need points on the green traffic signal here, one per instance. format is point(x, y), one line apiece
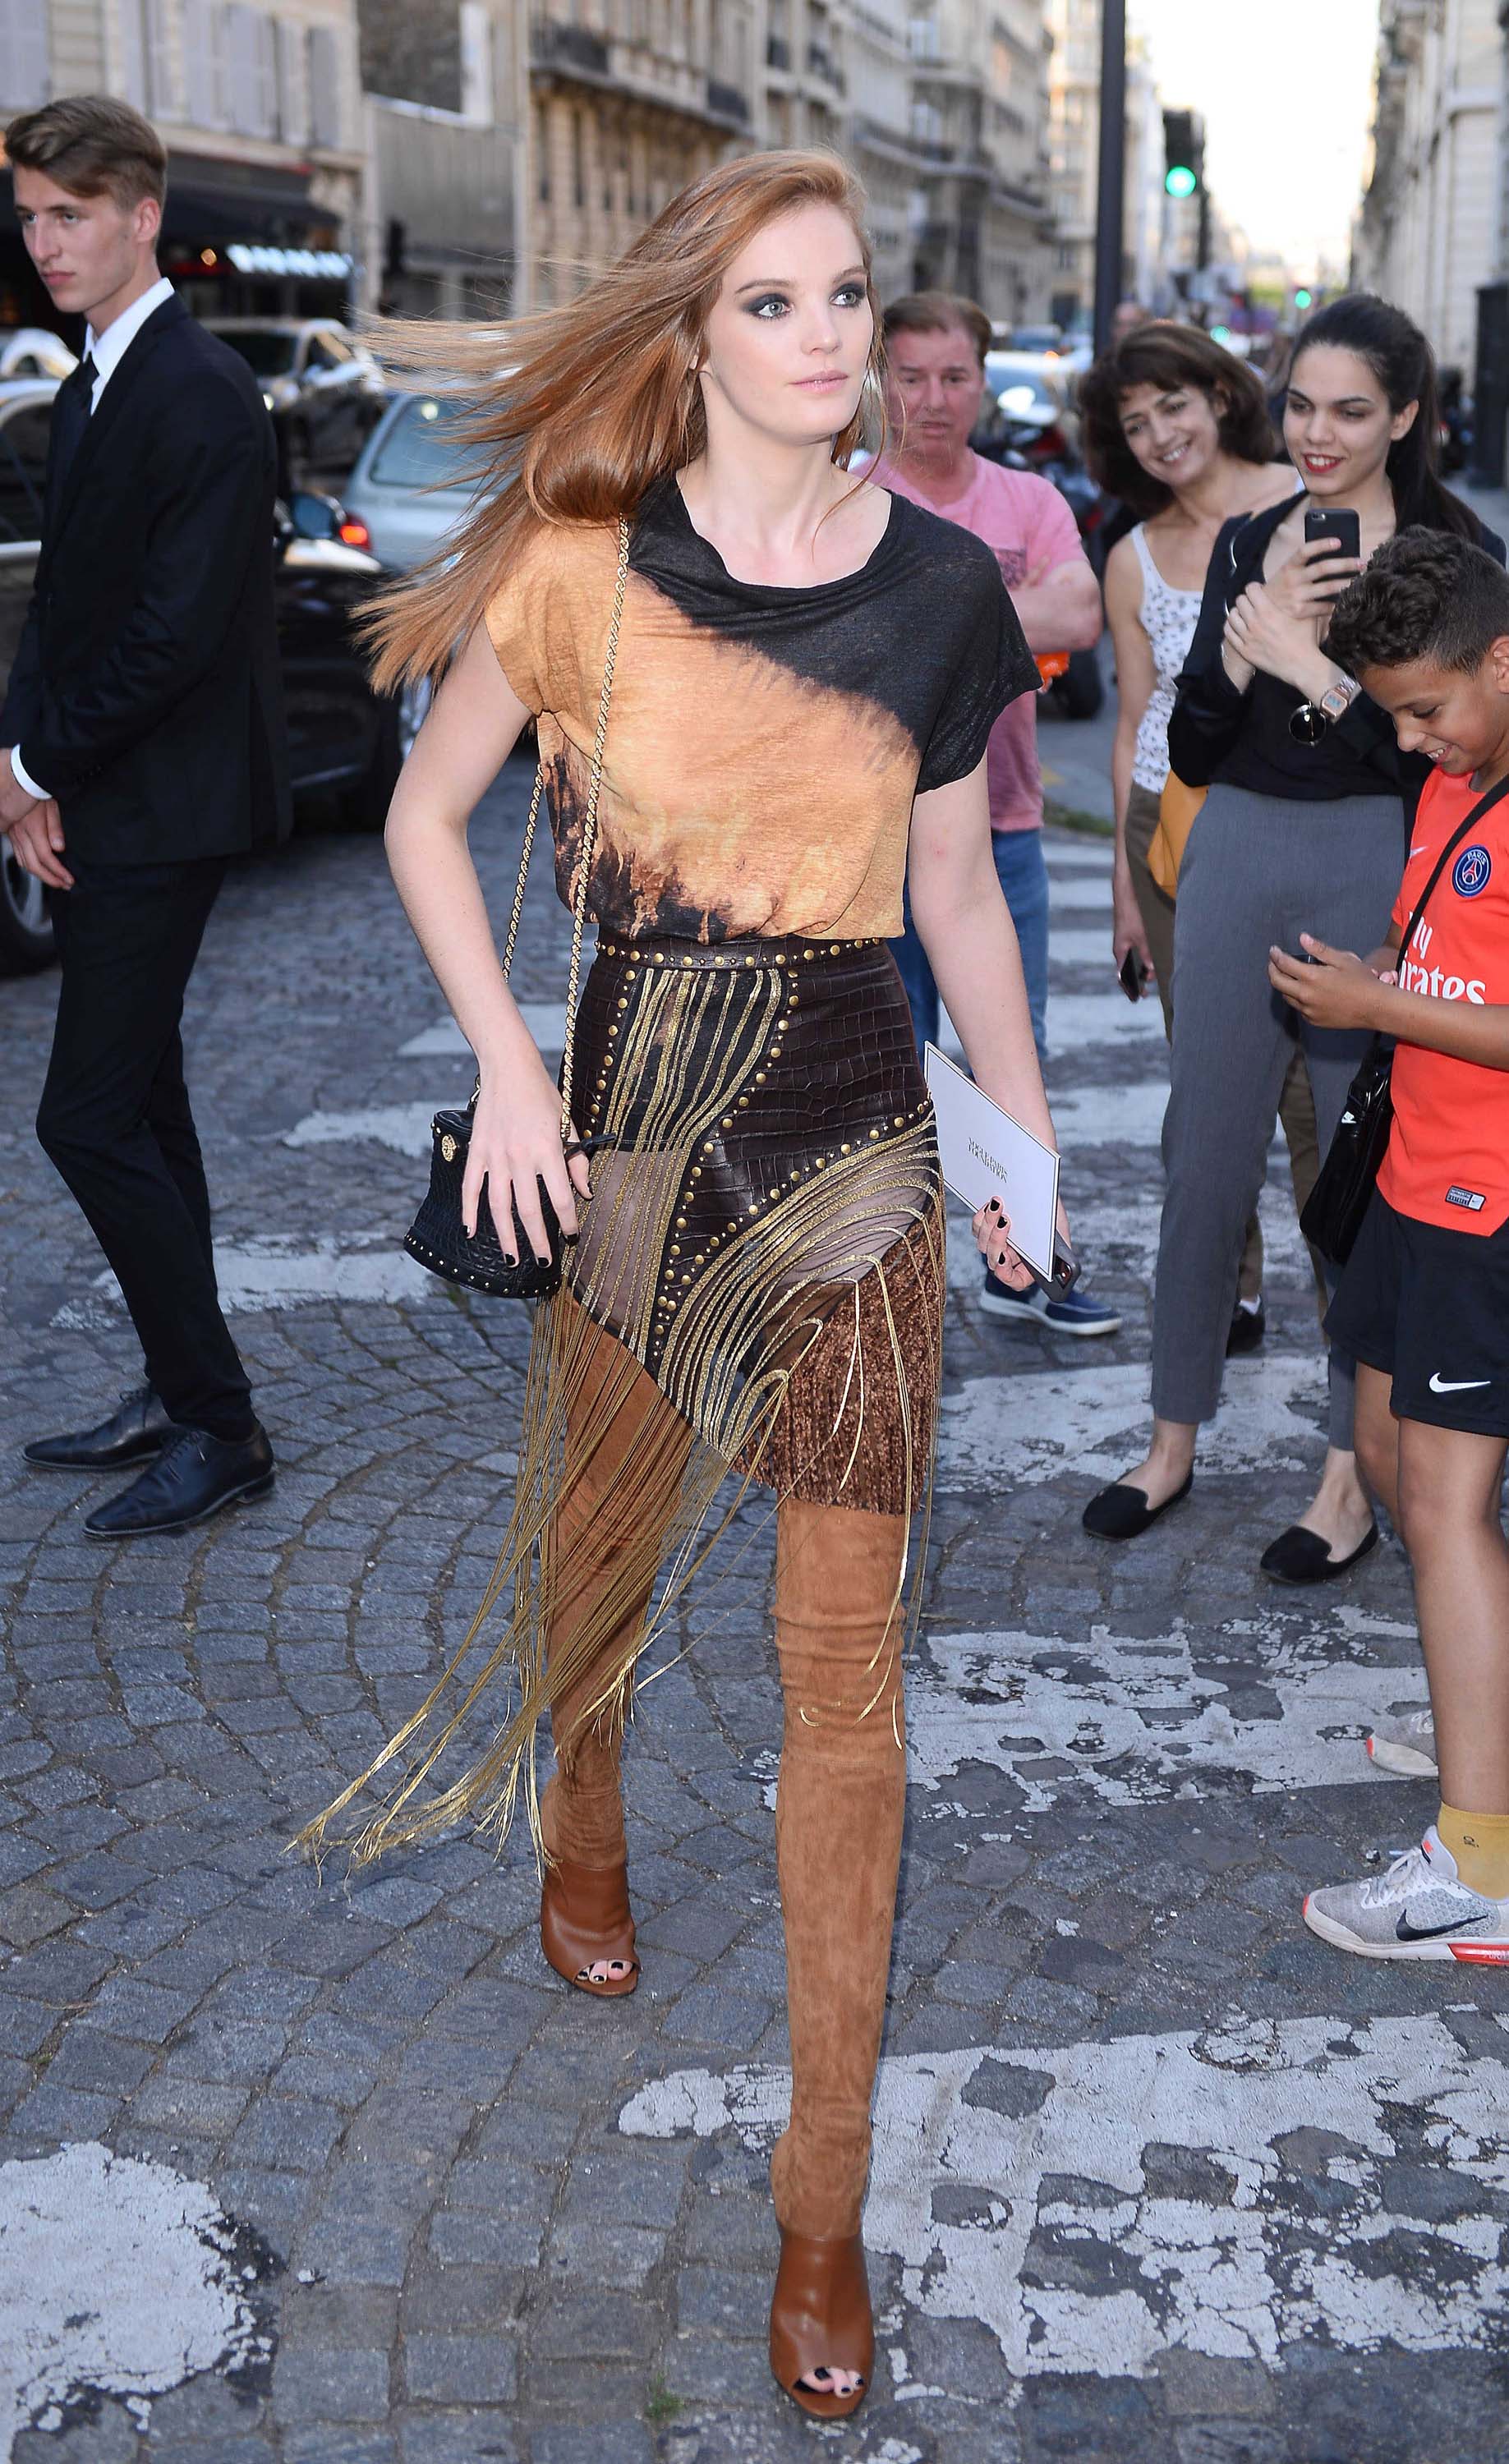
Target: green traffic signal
point(1305, 298)
point(1180, 181)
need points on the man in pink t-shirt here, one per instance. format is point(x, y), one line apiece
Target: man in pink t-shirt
point(935, 346)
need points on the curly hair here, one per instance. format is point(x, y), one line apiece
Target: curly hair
point(1427, 594)
point(1176, 359)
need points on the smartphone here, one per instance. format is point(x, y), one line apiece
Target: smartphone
point(1066, 1269)
point(1132, 976)
point(1336, 522)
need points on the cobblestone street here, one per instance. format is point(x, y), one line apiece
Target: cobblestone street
point(1157, 2174)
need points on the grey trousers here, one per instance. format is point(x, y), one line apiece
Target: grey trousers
point(1296, 1105)
point(1256, 870)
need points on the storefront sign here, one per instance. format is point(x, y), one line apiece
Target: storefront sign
point(320, 264)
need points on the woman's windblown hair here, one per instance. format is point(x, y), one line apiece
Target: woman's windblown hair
point(574, 412)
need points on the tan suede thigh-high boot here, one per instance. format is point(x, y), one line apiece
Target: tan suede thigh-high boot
point(585, 1913)
point(840, 1807)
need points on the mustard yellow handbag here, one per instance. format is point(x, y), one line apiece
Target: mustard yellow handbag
point(1177, 808)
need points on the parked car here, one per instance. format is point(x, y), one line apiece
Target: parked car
point(405, 485)
point(322, 384)
point(32, 351)
point(347, 744)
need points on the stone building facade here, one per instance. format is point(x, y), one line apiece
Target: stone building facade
point(261, 111)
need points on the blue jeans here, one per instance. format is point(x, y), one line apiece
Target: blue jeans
point(1024, 877)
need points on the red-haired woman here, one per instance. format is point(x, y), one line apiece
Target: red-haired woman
point(806, 675)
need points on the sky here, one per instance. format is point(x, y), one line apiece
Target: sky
point(1286, 90)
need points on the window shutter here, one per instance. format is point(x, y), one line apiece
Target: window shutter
point(324, 87)
point(266, 77)
point(160, 82)
point(293, 125)
point(23, 48)
point(202, 62)
point(133, 53)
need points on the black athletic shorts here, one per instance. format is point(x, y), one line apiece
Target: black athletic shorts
point(1430, 1308)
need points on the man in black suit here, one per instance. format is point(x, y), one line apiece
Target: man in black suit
point(141, 745)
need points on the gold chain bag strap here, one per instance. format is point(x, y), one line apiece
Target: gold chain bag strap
point(437, 1237)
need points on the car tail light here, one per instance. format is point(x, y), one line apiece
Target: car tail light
point(355, 534)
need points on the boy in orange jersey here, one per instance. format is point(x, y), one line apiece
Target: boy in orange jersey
point(1423, 1305)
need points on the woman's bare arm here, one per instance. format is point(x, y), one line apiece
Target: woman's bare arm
point(965, 927)
point(1136, 674)
point(473, 726)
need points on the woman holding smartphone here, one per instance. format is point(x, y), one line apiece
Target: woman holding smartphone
point(1305, 819)
point(1180, 431)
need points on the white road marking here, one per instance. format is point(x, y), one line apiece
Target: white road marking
point(1075, 855)
point(1135, 1722)
point(1092, 1422)
point(1227, 2193)
point(1086, 945)
point(116, 2275)
point(545, 1019)
point(403, 1126)
point(283, 1271)
point(1078, 1018)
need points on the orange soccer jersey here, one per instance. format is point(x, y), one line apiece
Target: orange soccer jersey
point(1448, 1157)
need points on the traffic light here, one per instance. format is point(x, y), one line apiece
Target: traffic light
point(1184, 151)
point(1303, 299)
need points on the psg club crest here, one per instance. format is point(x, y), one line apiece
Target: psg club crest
point(1471, 871)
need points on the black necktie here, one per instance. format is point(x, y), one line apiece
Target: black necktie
point(71, 417)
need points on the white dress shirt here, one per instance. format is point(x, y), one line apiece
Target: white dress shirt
point(108, 350)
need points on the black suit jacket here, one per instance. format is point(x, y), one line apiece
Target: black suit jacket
point(145, 693)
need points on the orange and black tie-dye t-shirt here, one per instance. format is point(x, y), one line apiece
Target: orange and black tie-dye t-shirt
point(763, 745)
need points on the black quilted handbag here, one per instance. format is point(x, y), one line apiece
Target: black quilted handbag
point(438, 1235)
point(1333, 1213)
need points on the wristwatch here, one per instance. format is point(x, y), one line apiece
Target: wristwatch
point(1338, 699)
point(1309, 720)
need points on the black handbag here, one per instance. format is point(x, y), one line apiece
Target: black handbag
point(1332, 1216)
point(437, 1237)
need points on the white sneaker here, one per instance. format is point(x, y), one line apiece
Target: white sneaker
point(1407, 1743)
point(1418, 1909)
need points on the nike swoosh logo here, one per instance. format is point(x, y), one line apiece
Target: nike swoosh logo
point(1440, 1385)
point(1408, 1932)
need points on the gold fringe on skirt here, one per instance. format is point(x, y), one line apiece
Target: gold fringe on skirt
point(764, 1242)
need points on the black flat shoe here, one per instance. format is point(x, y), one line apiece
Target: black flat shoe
point(1121, 1512)
point(139, 1428)
point(1247, 1330)
point(192, 1477)
point(1302, 1556)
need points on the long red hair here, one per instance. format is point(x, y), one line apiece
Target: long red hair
point(580, 408)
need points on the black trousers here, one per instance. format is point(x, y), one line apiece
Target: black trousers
point(116, 1121)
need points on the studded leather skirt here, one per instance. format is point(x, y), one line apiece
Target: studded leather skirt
point(765, 1231)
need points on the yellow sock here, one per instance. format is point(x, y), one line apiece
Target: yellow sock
point(1479, 1842)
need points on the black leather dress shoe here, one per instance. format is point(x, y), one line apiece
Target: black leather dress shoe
point(139, 1428)
point(1247, 1328)
point(1302, 1556)
point(1121, 1512)
point(192, 1477)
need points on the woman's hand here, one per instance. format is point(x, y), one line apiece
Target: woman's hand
point(1258, 631)
point(1128, 930)
point(1308, 583)
point(1339, 989)
point(516, 1144)
point(991, 1227)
